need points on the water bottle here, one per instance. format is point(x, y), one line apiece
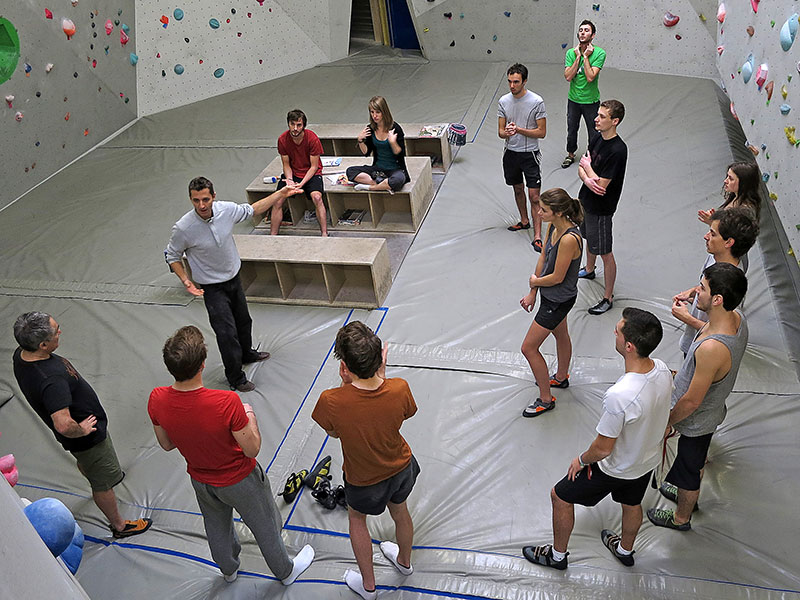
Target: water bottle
point(272, 179)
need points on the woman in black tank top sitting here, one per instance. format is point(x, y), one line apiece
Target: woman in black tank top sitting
point(556, 277)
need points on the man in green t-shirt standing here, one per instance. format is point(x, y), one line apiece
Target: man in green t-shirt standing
point(582, 68)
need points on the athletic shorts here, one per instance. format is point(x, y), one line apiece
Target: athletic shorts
point(691, 458)
point(596, 230)
point(550, 313)
point(517, 164)
point(312, 185)
point(99, 464)
point(588, 492)
point(372, 499)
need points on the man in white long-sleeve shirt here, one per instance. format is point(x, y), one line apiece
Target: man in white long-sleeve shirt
point(205, 236)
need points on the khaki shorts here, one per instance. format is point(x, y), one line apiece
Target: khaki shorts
point(100, 466)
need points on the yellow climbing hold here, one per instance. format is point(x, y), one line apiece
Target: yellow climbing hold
point(702, 17)
point(789, 131)
point(773, 196)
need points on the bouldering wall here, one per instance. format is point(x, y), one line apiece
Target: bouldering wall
point(69, 86)
point(203, 48)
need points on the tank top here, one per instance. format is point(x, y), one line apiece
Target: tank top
point(568, 288)
point(712, 411)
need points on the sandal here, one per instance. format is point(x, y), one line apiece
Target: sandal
point(519, 226)
point(537, 245)
point(567, 161)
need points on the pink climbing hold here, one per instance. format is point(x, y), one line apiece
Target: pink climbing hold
point(123, 37)
point(9, 100)
point(94, 63)
point(754, 4)
point(19, 116)
point(48, 14)
point(109, 27)
point(66, 117)
point(261, 2)
point(720, 50)
point(68, 27)
point(721, 13)
point(761, 75)
point(670, 20)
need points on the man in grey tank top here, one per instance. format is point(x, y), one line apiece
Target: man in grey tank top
point(702, 385)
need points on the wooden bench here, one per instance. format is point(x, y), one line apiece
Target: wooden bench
point(345, 272)
point(399, 212)
point(341, 140)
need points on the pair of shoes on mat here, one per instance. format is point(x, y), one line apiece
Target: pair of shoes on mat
point(543, 555)
point(555, 383)
point(568, 160)
point(584, 274)
point(603, 306)
point(132, 528)
point(612, 541)
point(670, 492)
point(537, 245)
point(294, 483)
point(539, 407)
point(320, 471)
point(661, 517)
point(519, 226)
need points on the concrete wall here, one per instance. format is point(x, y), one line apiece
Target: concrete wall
point(761, 120)
point(91, 80)
point(256, 40)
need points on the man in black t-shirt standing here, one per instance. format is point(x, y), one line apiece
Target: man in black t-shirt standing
point(602, 170)
point(70, 408)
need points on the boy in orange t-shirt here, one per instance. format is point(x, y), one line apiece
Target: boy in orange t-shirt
point(366, 414)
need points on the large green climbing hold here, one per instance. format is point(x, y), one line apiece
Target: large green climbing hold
point(9, 49)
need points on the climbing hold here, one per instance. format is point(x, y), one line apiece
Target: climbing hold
point(670, 20)
point(200, 61)
point(68, 27)
point(754, 4)
point(507, 13)
point(219, 73)
point(178, 69)
point(28, 68)
point(66, 117)
point(763, 146)
point(765, 177)
point(750, 30)
point(164, 20)
point(494, 38)
point(48, 67)
point(720, 50)
point(461, 16)
point(564, 45)
point(109, 27)
point(94, 34)
point(105, 49)
point(426, 30)
point(213, 23)
point(772, 23)
point(472, 37)
point(596, 7)
point(186, 40)
point(789, 131)
point(48, 14)
point(9, 100)
point(85, 132)
point(249, 15)
point(74, 3)
point(75, 74)
point(116, 21)
point(94, 63)
point(163, 73)
point(784, 91)
point(227, 20)
point(747, 68)
point(37, 144)
point(238, 34)
point(38, 94)
point(733, 112)
point(788, 32)
point(119, 12)
point(125, 28)
point(177, 14)
point(123, 37)
point(448, 15)
point(785, 108)
point(721, 13)
point(761, 75)
point(769, 87)
point(702, 17)
point(488, 51)
point(19, 116)
point(677, 36)
point(133, 58)
point(453, 43)
point(233, 11)
point(775, 175)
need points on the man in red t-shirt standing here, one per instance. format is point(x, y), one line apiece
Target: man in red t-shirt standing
point(300, 151)
point(366, 414)
point(219, 438)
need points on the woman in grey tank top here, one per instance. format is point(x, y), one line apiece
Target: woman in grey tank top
point(556, 276)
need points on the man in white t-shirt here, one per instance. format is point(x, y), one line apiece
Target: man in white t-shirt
point(626, 450)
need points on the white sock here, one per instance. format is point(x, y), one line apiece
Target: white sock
point(622, 552)
point(356, 583)
point(558, 556)
point(390, 551)
point(301, 562)
point(361, 187)
point(232, 577)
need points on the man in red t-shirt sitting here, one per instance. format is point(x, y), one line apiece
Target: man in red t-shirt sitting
point(366, 414)
point(300, 151)
point(219, 438)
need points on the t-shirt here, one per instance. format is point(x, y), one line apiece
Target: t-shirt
point(581, 90)
point(609, 158)
point(635, 412)
point(368, 425)
point(53, 384)
point(200, 423)
point(300, 154)
point(524, 111)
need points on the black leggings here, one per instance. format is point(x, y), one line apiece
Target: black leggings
point(396, 177)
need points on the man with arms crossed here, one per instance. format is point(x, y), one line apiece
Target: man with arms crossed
point(70, 408)
point(205, 235)
point(366, 414)
point(522, 122)
point(582, 66)
point(219, 438)
point(300, 151)
point(602, 170)
point(702, 385)
point(625, 451)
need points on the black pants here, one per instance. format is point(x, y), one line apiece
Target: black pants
point(574, 113)
point(231, 322)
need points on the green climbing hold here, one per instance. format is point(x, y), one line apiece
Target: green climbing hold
point(9, 49)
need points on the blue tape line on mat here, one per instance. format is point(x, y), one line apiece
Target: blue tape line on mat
point(474, 137)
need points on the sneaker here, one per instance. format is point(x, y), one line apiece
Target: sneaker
point(320, 471)
point(390, 551)
point(603, 306)
point(584, 274)
point(568, 160)
point(611, 541)
point(543, 555)
point(245, 386)
point(670, 492)
point(256, 357)
point(232, 577)
point(132, 528)
point(294, 484)
point(539, 407)
point(555, 383)
point(519, 226)
point(666, 518)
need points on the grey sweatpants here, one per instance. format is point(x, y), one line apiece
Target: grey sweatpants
point(252, 498)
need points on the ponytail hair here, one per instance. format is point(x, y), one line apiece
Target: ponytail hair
point(560, 202)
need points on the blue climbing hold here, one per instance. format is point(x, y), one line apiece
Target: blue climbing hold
point(785, 108)
point(213, 23)
point(788, 32)
point(28, 68)
point(133, 58)
point(765, 177)
point(178, 69)
point(219, 73)
point(747, 68)
point(177, 14)
point(125, 28)
point(507, 13)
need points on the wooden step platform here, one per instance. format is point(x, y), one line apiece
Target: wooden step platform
point(341, 272)
point(399, 212)
point(341, 140)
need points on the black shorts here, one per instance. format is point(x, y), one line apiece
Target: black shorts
point(372, 499)
point(517, 164)
point(691, 458)
point(312, 185)
point(588, 492)
point(550, 313)
point(596, 230)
